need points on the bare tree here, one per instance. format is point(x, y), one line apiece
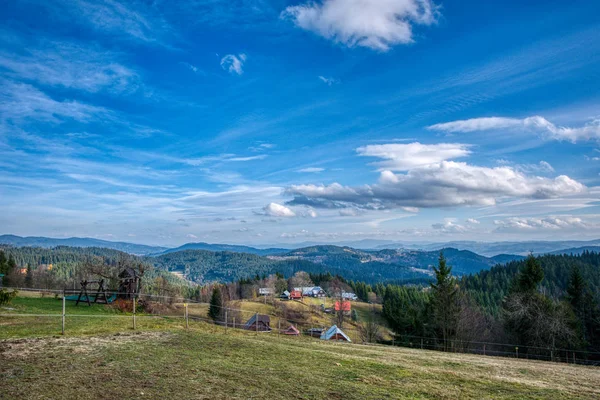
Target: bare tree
point(369, 330)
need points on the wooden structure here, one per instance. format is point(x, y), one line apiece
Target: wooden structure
point(292, 331)
point(99, 297)
point(259, 322)
point(130, 284)
point(335, 333)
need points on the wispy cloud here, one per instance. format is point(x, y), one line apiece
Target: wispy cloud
point(311, 170)
point(234, 63)
point(328, 81)
point(535, 124)
point(71, 66)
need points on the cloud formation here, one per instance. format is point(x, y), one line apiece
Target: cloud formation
point(542, 223)
point(375, 24)
point(277, 210)
point(311, 170)
point(402, 157)
point(234, 63)
point(430, 181)
point(540, 125)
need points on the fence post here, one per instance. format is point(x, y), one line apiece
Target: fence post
point(226, 322)
point(64, 301)
point(278, 327)
point(256, 322)
point(484, 349)
point(233, 322)
point(517, 351)
point(187, 324)
point(574, 362)
point(134, 313)
point(421, 343)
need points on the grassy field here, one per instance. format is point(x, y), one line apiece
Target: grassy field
point(102, 357)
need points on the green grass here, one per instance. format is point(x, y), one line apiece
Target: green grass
point(102, 357)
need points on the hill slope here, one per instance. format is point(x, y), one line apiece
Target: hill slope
point(204, 362)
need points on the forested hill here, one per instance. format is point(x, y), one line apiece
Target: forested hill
point(205, 266)
point(463, 261)
point(225, 247)
point(488, 288)
point(38, 241)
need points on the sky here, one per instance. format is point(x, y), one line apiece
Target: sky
point(272, 121)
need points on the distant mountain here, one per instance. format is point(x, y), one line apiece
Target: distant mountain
point(32, 241)
point(462, 261)
point(490, 249)
point(224, 247)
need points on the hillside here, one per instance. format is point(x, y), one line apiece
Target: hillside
point(488, 288)
point(106, 359)
point(224, 247)
point(33, 241)
point(388, 261)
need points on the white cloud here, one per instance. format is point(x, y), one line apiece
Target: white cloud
point(402, 157)
point(311, 170)
point(277, 210)
point(191, 236)
point(439, 184)
point(542, 223)
point(536, 123)
point(473, 221)
point(328, 81)
point(449, 226)
point(234, 63)
point(375, 24)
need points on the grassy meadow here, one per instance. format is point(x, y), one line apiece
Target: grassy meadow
point(103, 357)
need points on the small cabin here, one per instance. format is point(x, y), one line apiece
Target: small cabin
point(265, 291)
point(259, 322)
point(336, 334)
point(295, 295)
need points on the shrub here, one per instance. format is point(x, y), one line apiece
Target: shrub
point(6, 296)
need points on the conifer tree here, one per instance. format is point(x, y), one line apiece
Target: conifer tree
point(216, 305)
point(445, 300)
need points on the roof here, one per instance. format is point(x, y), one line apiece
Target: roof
point(309, 290)
point(292, 330)
point(332, 332)
point(345, 306)
point(296, 293)
point(265, 319)
point(286, 293)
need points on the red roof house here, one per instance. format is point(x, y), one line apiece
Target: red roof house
point(344, 306)
point(296, 295)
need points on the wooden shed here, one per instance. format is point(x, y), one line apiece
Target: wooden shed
point(259, 322)
point(292, 331)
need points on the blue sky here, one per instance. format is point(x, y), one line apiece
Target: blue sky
point(266, 122)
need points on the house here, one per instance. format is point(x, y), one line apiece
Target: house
point(335, 333)
point(292, 331)
point(345, 306)
point(285, 295)
point(295, 295)
point(311, 291)
point(259, 322)
point(349, 296)
point(265, 291)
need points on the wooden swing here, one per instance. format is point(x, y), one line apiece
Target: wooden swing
point(100, 297)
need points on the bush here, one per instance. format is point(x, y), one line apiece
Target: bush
point(6, 296)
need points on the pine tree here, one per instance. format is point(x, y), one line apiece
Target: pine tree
point(530, 276)
point(445, 300)
point(576, 290)
point(216, 304)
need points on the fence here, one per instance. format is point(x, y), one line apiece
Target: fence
point(186, 311)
